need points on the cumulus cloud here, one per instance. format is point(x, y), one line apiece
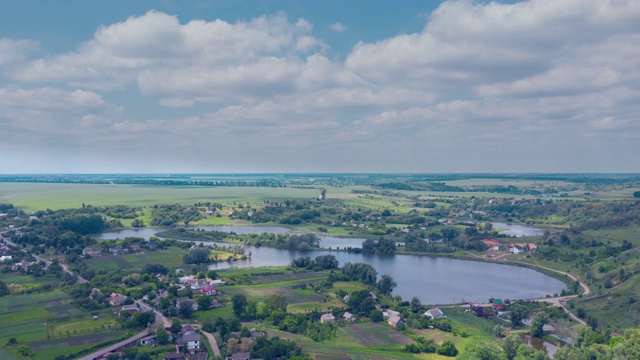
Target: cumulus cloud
point(13, 51)
point(338, 27)
point(481, 79)
point(164, 56)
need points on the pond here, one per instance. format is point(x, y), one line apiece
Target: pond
point(518, 230)
point(539, 344)
point(433, 280)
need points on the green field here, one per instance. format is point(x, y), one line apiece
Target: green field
point(35, 196)
point(171, 257)
point(50, 325)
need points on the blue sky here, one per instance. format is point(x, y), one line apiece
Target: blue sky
point(322, 86)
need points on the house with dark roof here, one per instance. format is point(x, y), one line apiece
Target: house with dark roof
point(116, 299)
point(240, 356)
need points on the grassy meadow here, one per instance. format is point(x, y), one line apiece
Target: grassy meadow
point(40, 196)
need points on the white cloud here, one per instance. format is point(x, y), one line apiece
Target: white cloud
point(481, 80)
point(165, 56)
point(338, 27)
point(13, 51)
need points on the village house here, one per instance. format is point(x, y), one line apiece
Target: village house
point(326, 318)
point(240, 356)
point(516, 250)
point(92, 252)
point(116, 299)
point(394, 320)
point(434, 314)
point(349, 316)
point(191, 340)
point(116, 250)
point(208, 290)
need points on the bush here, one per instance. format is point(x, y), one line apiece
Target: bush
point(447, 348)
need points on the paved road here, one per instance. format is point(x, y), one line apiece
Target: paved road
point(159, 317)
point(116, 346)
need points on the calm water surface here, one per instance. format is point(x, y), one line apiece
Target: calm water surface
point(433, 280)
point(519, 230)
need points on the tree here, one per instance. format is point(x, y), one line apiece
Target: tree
point(185, 309)
point(415, 304)
point(361, 302)
point(386, 284)
point(447, 348)
point(211, 274)
point(510, 345)
point(376, 316)
point(327, 262)
point(519, 312)
point(4, 289)
point(275, 302)
point(162, 337)
point(537, 324)
point(204, 302)
point(175, 327)
point(636, 194)
point(239, 301)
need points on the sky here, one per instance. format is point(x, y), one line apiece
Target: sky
point(225, 86)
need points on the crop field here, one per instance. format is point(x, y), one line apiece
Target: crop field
point(171, 257)
point(50, 325)
point(35, 196)
point(374, 334)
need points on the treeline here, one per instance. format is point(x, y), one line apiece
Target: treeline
point(302, 242)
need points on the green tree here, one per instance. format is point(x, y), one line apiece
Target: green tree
point(519, 312)
point(416, 305)
point(204, 302)
point(447, 348)
point(175, 327)
point(636, 194)
point(185, 309)
point(4, 289)
point(386, 284)
point(537, 324)
point(162, 337)
point(510, 345)
point(239, 301)
point(275, 302)
point(376, 316)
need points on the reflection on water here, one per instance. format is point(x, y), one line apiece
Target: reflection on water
point(518, 230)
point(539, 344)
point(433, 280)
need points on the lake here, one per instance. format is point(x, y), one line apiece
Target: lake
point(326, 242)
point(519, 230)
point(433, 280)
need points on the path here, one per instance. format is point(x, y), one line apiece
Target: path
point(213, 343)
